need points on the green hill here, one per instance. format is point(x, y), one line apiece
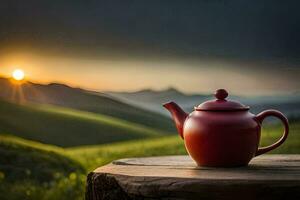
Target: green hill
point(68, 127)
point(30, 170)
point(33, 160)
point(65, 96)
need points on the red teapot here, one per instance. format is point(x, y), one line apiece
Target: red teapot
point(223, 133)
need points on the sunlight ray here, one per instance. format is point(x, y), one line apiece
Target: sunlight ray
point(22, 99)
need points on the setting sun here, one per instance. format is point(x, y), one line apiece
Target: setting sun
point(18, 74)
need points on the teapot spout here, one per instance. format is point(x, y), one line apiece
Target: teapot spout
point(178, 115)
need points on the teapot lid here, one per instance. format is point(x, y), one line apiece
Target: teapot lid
point(221, 104)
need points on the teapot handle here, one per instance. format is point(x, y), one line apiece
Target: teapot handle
point(260, 117)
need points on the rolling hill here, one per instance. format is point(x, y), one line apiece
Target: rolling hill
point(76, 98)
point(68, 127)
point(21, 155)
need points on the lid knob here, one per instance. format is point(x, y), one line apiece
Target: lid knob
point(221, 94)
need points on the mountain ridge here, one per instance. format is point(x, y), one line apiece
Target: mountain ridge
point(153, 99)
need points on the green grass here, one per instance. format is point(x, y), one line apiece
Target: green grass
point(49, 124)
point(271, 133)
point(95, 156)
point(30, 170)
point(50, 172)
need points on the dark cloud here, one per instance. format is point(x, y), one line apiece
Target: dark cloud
point(239, 29)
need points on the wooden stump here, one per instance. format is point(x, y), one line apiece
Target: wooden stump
point(177, 177)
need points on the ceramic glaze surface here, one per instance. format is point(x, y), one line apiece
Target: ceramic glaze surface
point(229, 139)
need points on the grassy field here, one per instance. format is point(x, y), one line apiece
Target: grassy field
point(48, 124)
point(31, 170)
point(95, 156)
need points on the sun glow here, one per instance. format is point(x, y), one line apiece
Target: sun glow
point(18, 74)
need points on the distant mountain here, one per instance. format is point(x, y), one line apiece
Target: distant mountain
point(153, 100)
point(76, 98)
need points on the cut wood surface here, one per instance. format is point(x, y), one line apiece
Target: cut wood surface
point(178, 177)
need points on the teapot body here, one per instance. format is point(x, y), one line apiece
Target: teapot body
point(223, 139)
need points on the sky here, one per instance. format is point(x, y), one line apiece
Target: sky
point(247, 47)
